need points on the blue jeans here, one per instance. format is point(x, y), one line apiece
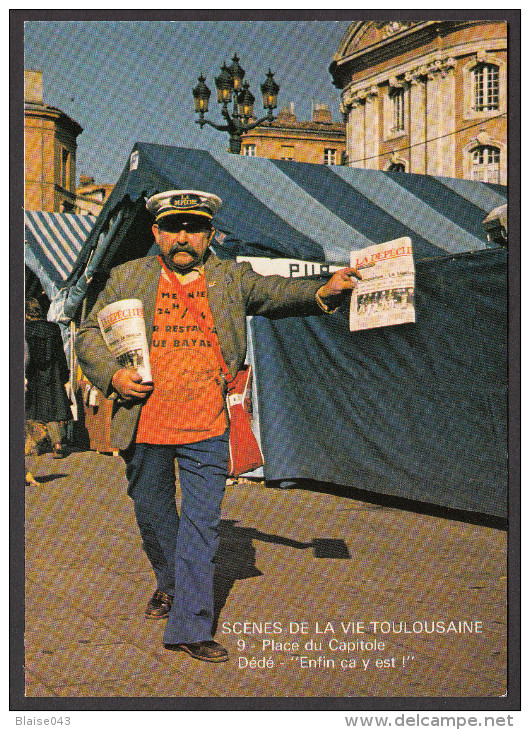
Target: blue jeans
point(181, 549)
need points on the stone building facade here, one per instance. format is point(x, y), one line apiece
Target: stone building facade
point(320, 141)
point(91, 196)
point(50, 151)
point(425, 97)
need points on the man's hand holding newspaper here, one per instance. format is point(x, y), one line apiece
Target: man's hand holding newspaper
point(128, 383)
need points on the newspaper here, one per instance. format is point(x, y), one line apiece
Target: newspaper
point(123, 328)
point(385, 296)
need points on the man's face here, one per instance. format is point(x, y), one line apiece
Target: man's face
point(183, 241)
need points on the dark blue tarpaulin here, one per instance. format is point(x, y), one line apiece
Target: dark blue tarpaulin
point(416, 410)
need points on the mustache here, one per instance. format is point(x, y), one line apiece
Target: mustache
point(179, 249)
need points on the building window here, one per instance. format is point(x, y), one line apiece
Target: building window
point(397, 98)
point(65, 169)
point(486, 87)
point(286, 152)
point(330, 156)
point(249, 150)
point(486, 164)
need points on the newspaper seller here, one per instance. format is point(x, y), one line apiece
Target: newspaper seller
point(181, 414)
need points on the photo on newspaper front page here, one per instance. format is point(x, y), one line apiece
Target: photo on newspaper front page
point(385, 294)
point(365, 563)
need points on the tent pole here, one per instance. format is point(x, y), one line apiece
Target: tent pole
point(73, 383)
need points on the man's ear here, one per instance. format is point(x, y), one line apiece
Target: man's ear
point(212, 234)
point(155, 230)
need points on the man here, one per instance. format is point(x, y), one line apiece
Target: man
point(181, 414)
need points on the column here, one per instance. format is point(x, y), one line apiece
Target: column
point(433, 122)
point(417, 129)
point(441, 118)
point(447, 141)
point(355, 135)
point(371, 143)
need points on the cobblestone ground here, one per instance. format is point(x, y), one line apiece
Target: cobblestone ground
point(318, 595)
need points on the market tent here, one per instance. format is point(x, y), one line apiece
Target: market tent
point(290, 209)
point(416, 411)
point(53, 243)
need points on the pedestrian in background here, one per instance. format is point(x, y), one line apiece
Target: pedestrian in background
point(47, 373)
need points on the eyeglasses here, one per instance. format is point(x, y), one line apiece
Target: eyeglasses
point(173, 225)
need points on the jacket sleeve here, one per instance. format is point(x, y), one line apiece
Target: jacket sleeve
point(277, 296)
point(95, 360)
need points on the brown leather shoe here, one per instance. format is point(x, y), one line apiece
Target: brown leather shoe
point(204, 651)
point(159, 605)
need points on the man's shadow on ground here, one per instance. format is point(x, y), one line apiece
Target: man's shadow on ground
point(236, 557)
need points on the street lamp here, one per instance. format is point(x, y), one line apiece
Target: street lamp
point(230, 81)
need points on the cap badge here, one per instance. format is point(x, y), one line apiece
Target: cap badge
point(185, 200)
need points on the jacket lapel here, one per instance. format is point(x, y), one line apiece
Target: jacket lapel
point(147, 291)
point(215, 285)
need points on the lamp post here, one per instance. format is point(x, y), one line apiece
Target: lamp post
point(230, 81)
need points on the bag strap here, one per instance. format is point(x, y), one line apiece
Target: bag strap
point(203, 326)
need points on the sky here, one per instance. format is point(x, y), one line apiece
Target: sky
point(131, 81)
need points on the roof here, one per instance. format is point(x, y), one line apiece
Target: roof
point(39, 109)
point(309, 211)
point(288, 120)
point(283, 209)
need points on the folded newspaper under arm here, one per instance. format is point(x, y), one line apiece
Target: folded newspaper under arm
point(385, 296)
point(123, 329)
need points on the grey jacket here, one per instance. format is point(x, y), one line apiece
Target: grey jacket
point(233, 290)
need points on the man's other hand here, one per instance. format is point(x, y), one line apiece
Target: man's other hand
point(128, 384)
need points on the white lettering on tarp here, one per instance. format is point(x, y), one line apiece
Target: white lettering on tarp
point(290, 268)
point(304, 268)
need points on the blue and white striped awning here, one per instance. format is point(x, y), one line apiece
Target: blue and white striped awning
point(53, 244)
point(308, 211)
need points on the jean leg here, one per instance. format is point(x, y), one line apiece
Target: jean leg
point(151, 475)
point(202, 473)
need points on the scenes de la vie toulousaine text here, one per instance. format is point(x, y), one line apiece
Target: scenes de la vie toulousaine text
point(271, 643)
